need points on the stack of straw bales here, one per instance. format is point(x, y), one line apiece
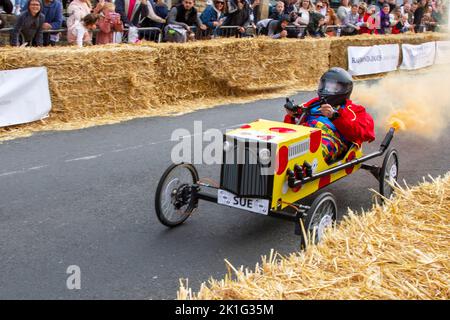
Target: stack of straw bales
point(105, 84)
point(398, 251)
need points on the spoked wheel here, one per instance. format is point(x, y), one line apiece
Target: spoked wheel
point(321, 215)
point(388, 173)
point(173, 199)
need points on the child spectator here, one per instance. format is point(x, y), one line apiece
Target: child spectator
point(303, 13)
point(77, 10)
point(212, 16)
point(29, 24)
point(52, 11)
point(278, 12)
point(402, 25)
point(79, 33)
point(108, 23)
point(385, 20)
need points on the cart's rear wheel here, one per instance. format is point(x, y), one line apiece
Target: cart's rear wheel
point(321, 215)
point(173, 199)
point(388, 173)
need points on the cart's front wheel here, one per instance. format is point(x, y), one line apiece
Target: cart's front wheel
point(388, 173)
point(173, 199)
point(321, 215)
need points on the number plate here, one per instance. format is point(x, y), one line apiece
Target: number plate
point(256, 205)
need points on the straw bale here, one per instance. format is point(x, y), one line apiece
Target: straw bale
point(396, 251)
point(106, 84)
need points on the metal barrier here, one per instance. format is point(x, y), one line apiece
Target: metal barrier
point(156, 34)
point(149, 33)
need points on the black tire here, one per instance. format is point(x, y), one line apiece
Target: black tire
point(322, 214)
point(168, 192)
point(388, 173)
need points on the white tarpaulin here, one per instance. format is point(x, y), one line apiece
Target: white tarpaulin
point(418, 56)
point(374, 59)
point(24, 95)
point(442, 52)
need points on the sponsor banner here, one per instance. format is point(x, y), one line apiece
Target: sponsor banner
point(24, 96)
point(442, 52)
point(418, 56)
point(374, 59)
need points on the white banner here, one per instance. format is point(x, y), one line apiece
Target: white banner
point(374, 59)
point(24, 96)
point(418, 56)
point(442, 52)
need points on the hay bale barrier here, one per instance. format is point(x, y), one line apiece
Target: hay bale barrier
point(107, 84)
point(396, 251)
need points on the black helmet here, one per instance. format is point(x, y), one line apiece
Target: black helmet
point(335, 86)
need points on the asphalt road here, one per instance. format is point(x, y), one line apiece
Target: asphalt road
point(85, 198)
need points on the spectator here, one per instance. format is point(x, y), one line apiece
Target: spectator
point(213, 15)
point(180, 20)
point(315, 26)
point(385, 20)
point(277, 28)
point(331, 18)
point(392, 4)
point(52, 11)
point(79, 34)
point(363, 18)
point(29, 24)
point(406, 9)
point(402, 25)
point(418, 15)
point(351, 23)
point(138, 13)
point(108, 23)
point(255, 9)
point(278, 12)
point(162, 10)
point(6, 6)
point(439, 13)
point(344, 10)
point(240, 18)
point(77, 10)
point(428, 20)
point(406, 3)
point(303, 13)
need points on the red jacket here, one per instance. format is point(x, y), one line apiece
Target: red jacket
point(354, 123)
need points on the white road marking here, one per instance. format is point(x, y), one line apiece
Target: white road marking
point(222, 127)
point(85, 158)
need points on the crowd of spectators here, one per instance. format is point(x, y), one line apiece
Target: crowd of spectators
point(183, 22)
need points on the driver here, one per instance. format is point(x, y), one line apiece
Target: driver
point(342, 122)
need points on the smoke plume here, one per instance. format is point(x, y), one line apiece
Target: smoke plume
point(416, 102)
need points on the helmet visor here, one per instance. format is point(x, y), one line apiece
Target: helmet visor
point(331, 87)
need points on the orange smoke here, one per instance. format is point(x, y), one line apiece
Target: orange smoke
point(416, 102)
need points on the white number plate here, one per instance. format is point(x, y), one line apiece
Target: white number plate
point(260, 206)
